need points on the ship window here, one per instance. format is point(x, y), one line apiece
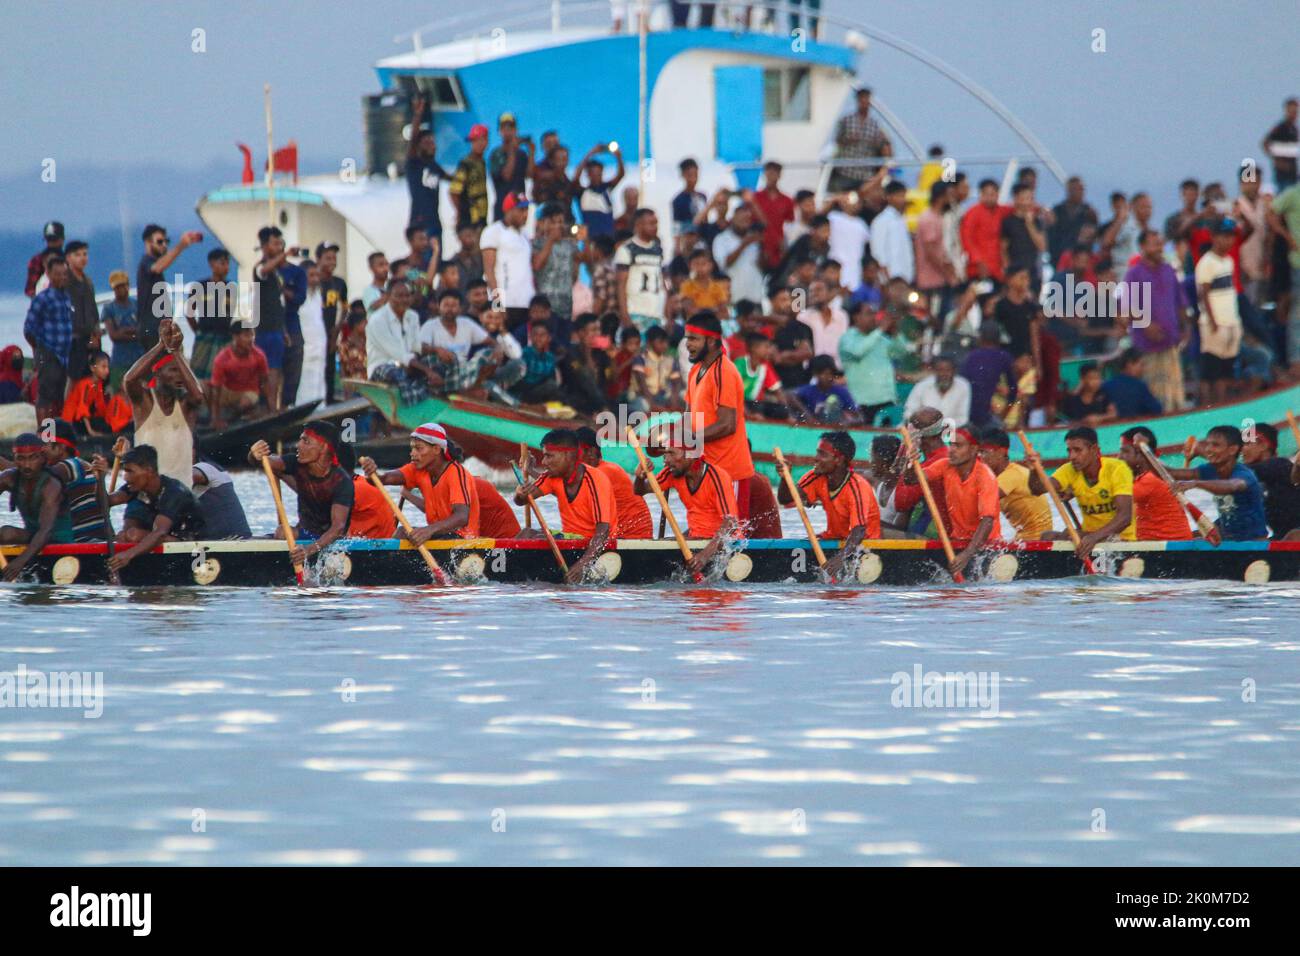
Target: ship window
point(442, 92)
point(787, 94)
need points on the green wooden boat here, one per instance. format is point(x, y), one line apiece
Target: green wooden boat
point(493, 432)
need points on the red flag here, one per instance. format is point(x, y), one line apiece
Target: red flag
point(247, 176)
point(286, 160)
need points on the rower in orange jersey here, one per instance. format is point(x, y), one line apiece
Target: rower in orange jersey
point(970, 495)
point(451, 504)
point(496, 519)
point(852, 514)
point(707, 492)
point(586, 499)
point(1156, 511)
point(715, 416)
point(633, 514)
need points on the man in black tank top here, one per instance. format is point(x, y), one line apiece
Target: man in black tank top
point(325, 491)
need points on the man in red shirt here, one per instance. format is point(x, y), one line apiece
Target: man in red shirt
point(848, 499)
point(776, 209)
point(928, 425)
point(981, 234)
point(241, 377)
point(584, 495)
point(970, 490)
point(633, 514)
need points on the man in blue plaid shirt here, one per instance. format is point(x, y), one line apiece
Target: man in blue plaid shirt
point(48, 331)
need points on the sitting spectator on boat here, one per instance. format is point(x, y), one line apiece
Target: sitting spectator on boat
point(1127, 390)
point(942, 389)
point(159, 508)
point(393, 347)
point(824, 399)
point(92, 406)
point(12, 385)
point(1158, 513)
point(241, 380)
point(1237, 493)
point(540, 382)
point(1089, 404)
point(656, 380)
point(1280, 479)
point(763, 393)
point(1028, 513)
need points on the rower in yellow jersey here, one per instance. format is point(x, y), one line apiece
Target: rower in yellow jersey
point(1028, 513)
point(1102, 486)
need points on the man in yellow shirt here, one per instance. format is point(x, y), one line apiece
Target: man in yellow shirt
point(1028, 513)
point(1102, 486)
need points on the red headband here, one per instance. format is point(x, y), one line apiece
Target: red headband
point(558, 448)
point(706, 333)
point(317, 436)
point(158, 366)
point(967, 434)
point(65, 441)
point(28, 449)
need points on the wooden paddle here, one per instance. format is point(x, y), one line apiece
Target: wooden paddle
point(523, 467)
point(1208, 531)
point(112, 478)
point(663, 502)
point(541, 522)
point(929, 501)
point(285, 527)
point(439, 575)
point(1066, 515)
point(793, 488)
point(110, 548)
point(1189, 451)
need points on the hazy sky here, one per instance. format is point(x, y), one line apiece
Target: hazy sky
point(1183, 88)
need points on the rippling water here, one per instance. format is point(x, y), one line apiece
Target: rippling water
point(488, 725)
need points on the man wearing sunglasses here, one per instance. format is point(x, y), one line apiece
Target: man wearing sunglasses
point(152, 299)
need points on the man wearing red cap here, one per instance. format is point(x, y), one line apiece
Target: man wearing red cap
point(469, 183)
point(970, 491)
point(633, 514)
point(707, 492)
point(38, 497)
point(584, 495)
point(852, 513)
point(715, 416)
point(508, 264)
point(325, 491)
point(165, 400)
point(446, 487)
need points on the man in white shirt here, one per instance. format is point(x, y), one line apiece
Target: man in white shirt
point(375, 296)
point(945, 390)
point(639, 273)
point(1220, 322)
point(737, 250)
point(891, 243)
point(393, 347)
point(463, 353)
point(849, 236)
point(508, 264)
point(828, 321)
point(958, 194)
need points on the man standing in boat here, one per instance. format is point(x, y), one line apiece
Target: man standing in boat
point(37, 496)
point(584, 495)
point(1103, 487)
point(324, 489)
point(165, 400)
point(852, 513)
point(445, 486)
point(707, 492)
point(715, 418)
point(970, 492)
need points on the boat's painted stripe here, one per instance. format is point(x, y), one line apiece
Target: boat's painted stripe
point(259, 194)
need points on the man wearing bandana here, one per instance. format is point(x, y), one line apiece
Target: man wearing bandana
point(928, 425)
point(451, 505)
point(852, 514)
point(970, 510)
point(707, 492)
point(633, 515)
point(715, 415)
point(585, 497)
point(324, 489)
point(38, 497)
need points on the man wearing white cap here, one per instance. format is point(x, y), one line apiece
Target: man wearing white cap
point(451, 505)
